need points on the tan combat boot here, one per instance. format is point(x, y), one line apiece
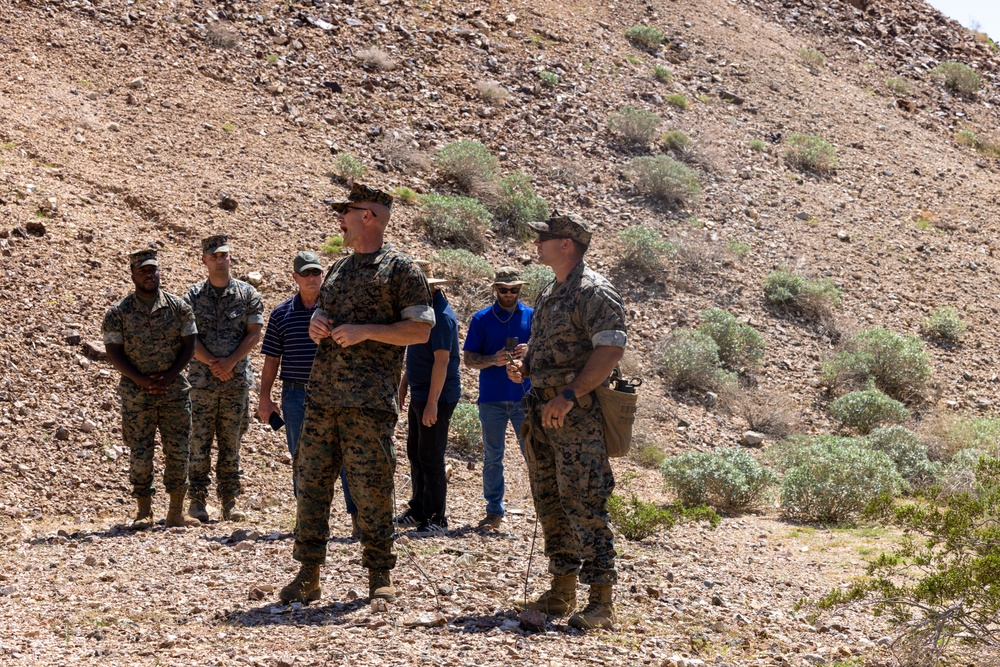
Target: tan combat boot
point(380, 585)
point(229, 511)
point(598, 613)
point(144, 516)
point(197, 510)
point(304, 588)
point(558, 600)
point(175, 513)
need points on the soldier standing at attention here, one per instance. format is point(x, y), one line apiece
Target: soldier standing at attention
point(577, 338)
point(287, 342)
point(371, 306)
point(230, 316)
point(150, 336)
point(499, 399)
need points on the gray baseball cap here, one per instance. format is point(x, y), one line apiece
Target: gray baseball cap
point(306, 259)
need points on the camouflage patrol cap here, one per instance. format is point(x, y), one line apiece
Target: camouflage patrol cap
point(214, 244)
point(306, 259)
point(508, 276)
point(140, 258)
point(565, 225)
point(363, 193)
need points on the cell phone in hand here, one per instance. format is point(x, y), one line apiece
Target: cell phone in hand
point(275, 421)
point(510, 344)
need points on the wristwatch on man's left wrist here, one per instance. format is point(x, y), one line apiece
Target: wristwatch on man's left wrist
point(569, 394)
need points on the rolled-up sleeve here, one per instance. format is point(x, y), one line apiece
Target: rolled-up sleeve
point(112, 329)
point(419, 314)
point(605, 314)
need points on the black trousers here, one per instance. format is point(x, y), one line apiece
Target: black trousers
point(425, 449)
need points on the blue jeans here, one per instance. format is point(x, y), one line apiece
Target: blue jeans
point(494, 417)
point(293, 410)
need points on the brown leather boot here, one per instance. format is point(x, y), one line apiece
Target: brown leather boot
point(380, 585)
point(598, 613)
point(144, 514)
point(559, 600)
point(175, 513)
point(229, 511)
point(197, 510)
point(304, 588)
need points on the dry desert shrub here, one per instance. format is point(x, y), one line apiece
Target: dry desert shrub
point(376, 58)
point(222, 36)
point(401, 154)
point(492, 91)
point(947, 433)
point(770, 412)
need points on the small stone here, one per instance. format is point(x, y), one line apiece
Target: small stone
point(716, 601)
point(532, 620)
point(379, 605)
point(255, 278)
point(88, 426)
point(6, 590)
point(114, 127)
point(245, 546)
point(71, 337)
point(802, 216)
point(425, 620)
point(90, 560)
point(227, 203)
point(136, 83)
point(752, 438)
point(256, 593)
point(62, 433)
point(511, 19)
point(95, 349)
point(843, 236)
point(884, 641)
point(814, 658)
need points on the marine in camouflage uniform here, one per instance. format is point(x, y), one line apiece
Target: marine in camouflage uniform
point(578, 335)
point(372, 304)
point(230, 316)
point(150, 337)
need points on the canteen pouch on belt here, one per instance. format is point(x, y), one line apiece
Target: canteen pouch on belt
point(618, 404)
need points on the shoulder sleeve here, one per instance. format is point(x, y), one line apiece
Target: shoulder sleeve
point(186, 316)
point(189, 296)
point(413, 296)
point(113, 329)
point(474, 338)
point(444, 332)
point(255, 306)
point(604, 313)
point(274, 339)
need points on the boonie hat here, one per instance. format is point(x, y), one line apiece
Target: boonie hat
point(141, 258)
point(306, 259)
point(363, 193)
point(565, 225)
point(508, 276)
point(214, 244)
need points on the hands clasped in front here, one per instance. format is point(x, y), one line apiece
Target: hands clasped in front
point(344, 335)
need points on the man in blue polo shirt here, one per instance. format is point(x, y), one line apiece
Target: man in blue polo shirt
point(287, 343)
point(497, 334)
point(432, 378)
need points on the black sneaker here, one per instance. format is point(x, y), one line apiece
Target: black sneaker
point(406, 520)
point(431, 528)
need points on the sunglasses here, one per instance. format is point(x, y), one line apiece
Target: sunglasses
point(508, 290)
point(356, 208)
point(546, 236)
point(311, 273)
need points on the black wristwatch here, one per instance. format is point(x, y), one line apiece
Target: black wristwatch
point(569, 394)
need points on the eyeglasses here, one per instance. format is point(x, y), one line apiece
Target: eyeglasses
point(508, 290)
point(546, 236)
point(311, 273)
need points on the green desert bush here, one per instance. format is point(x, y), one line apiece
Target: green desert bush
point(690, 360)
point(946, 433)
point(333, 245)
point(677, 141)
point(834, 481)
point(664, 179)
point(740, 345)
point(808, 152)
point(868, 409)
point(646, 453)
point(347, 167)
point(644, 249)
point(894, 363)
point(549, 79)
point(536, 277)
point(633, 126)
point(810, 297)
point(944, 323)
point(812, 58)
point(662, 74)
point(516, 204)
point(899, 86)
point(958, 77)
point(758, 145)
point(940, 583)
point(465, 432)
point(677, 100)
point(405, 195)
point(728, 479)
point(464, 266)
point(645, 36)
point(636, 519)
point(907, 453)
point(459, 220)
point(469, 163)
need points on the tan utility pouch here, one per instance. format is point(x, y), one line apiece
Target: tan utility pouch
point(618, 413)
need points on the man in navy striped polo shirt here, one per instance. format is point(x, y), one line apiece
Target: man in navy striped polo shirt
point(287, 343)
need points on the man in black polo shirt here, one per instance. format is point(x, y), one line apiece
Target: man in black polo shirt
point(287, 342)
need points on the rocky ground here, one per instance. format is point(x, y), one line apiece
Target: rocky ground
point(129, 123)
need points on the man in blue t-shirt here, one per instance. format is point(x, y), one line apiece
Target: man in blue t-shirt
point(431, 375)
point(496, 335)
point(287, 342)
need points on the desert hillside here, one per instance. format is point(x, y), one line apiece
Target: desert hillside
point(125, 124)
